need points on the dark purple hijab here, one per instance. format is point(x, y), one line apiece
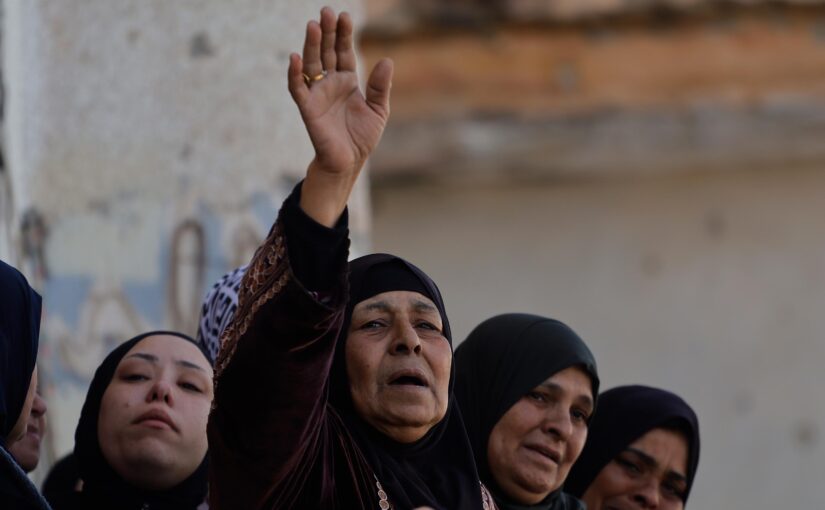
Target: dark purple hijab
point(625, 414)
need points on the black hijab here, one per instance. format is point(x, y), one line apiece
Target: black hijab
point(102, 486)
point(437, 470)
point(625, 414)
point(501, 360)
point(19, 335)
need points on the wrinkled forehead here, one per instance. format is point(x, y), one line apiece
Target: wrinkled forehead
point(397, 301)
point(162, 349)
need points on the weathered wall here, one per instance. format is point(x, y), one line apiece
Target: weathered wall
point(711, 286)
point(150, 144)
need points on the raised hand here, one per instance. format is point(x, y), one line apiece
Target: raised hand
point(343, 124)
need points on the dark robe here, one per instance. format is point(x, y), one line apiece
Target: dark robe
point(501, 360)
point(103, 488)
point(283, 433)
point(625, 414)
point(19, 336)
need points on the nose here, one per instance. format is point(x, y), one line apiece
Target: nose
point(38, 406)
point(160, 391)
point(557, 422)
point(647, 494)
point(405, 340)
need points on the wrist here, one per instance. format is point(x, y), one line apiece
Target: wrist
point(324, 194)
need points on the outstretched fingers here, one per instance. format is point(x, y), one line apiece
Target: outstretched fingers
point(328, 37)
point(295, 79)
point(343, 43)
point(312, 50)
point(378, 87)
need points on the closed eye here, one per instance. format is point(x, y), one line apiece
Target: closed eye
point(134, 377)
point(190, 387)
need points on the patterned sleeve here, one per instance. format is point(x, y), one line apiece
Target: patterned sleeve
point(270, 377)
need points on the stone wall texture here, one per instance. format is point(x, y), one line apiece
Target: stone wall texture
point(148, 146)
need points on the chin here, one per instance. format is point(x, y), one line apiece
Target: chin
point(152, 452)
point(415, 415)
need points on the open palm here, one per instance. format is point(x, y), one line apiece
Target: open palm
point(343, 124)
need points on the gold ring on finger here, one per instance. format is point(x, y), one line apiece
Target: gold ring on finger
point(309, 80)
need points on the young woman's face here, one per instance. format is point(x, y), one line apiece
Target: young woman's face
point(649, 473)
point(398, 364)
point(533, 446)
point(152, 422)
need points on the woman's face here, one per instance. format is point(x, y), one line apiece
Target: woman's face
point(152, 422)
point(532, 447)
point(19, 429)
point(398, 364)
point(650, 473)
point(26, 451)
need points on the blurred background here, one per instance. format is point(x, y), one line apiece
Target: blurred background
point(651, 172)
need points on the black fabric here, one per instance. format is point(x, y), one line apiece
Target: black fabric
point(16, 489)
point(501, 360)
point(625, 414)
point(60, 485)
point(102, 486)
point(313, 248)
point(438, 469)
point(19, 335)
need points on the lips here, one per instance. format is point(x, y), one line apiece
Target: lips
point(409, 377)
point(33, 432)
point(156, 418)
point(545, 451)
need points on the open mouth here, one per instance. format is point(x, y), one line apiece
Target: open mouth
point(408, 379)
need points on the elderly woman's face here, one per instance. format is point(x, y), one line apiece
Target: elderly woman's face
point(398, 364)
point(152, 422)
point(650, 473)
point(533, 446)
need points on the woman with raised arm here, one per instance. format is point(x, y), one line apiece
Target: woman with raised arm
point(333, 386)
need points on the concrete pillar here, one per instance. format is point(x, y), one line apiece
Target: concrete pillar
point(149, 145)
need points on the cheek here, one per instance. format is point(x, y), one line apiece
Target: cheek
point(362, 368)
point(507, 433)
point(441, 363)
point(610, 483)
point(576, 444)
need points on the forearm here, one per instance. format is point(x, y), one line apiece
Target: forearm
point(274, 364)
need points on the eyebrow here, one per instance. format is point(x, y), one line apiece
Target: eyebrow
point(652, 463)
point(551, 386)
point(151, 358)
point(423, 306)
point(383, 306)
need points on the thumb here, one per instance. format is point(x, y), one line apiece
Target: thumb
point(378, 87)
